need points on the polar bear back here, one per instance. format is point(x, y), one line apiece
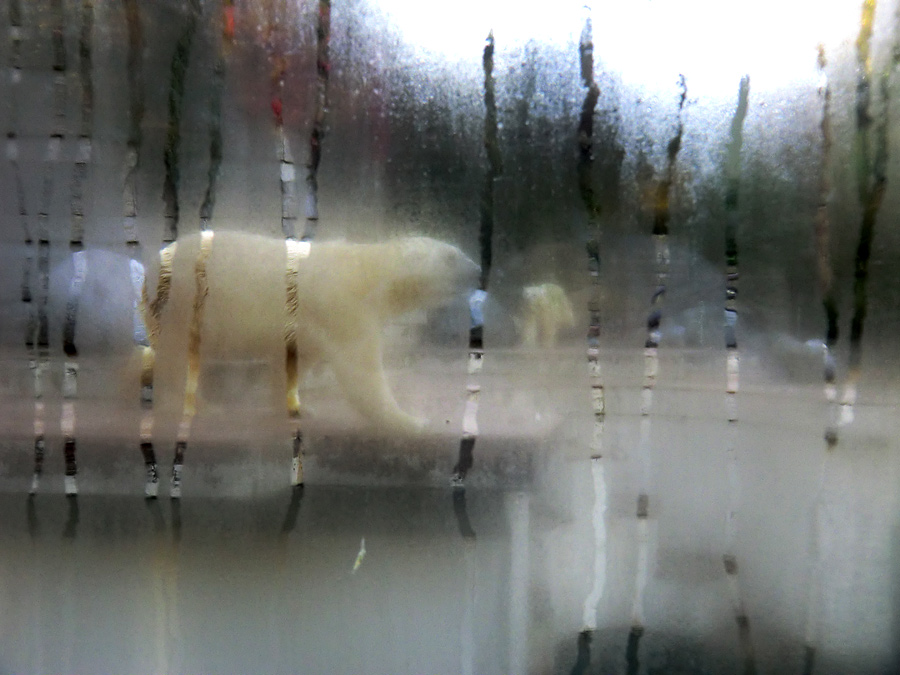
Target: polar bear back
point(244, 308)
point(343, 289)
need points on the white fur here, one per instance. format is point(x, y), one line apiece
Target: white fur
point(347, 292)
point(546, 311)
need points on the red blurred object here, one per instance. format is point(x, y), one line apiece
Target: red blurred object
point(229, 22)
point(276, 108)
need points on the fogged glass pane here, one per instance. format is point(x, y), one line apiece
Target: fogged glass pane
point(397, 337)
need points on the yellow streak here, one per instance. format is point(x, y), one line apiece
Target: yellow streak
point(151, 311)
point(193, 375)
point(865, 36)
point(295, 251)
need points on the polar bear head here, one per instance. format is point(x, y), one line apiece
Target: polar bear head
point(425, 273)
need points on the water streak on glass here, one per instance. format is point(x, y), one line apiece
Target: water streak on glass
point(320, 249)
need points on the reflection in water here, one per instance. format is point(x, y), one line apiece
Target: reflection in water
point(293, 510)
point(34, 526)
point(234, 581)
point(462, 514)
point(70, 531)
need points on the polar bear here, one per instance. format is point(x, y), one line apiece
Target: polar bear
point(344, 293)
point(546, 311)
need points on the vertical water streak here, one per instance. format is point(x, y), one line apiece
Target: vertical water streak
point(145, 324)
point(479, 296)
point(871, 175)
point(661, 262)
point(871, 178)
point(178, 71)
point(817, 546)
point(12, 154)
point(288, 171)
point(215, 142)
point(12, 145)
point(295, 252)
point(150, 312)
point(825, 275)
point(37, 338)
point(467, 620)
point(732, 375)
point(193, 371)
point(518, 507)
point(76, 244)
point(288, 183)
point(469, 435)
point(592, 208)
point(215, 117)
point(824, 266)
point(317, 134)
point(135, 73)
point(822, 234)
point(598, 519)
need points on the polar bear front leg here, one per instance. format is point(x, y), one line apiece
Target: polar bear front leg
point(360, 373)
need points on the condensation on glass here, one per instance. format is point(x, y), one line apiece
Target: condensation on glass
point(396, 337)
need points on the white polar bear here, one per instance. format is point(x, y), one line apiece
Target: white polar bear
point(345, 293)
point(546, 312)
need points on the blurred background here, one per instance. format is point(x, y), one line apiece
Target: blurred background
point(681, 386)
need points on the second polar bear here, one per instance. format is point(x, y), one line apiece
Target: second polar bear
point(345, 293)
point(546, 312)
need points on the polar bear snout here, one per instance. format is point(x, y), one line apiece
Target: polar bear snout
point(459, 271)
point(471, 274)
point(440, 266)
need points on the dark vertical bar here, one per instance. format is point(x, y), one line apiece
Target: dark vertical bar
point(732, 183)
point(317, 135)
point(661, 209)
point(583, 657)
point(215, 117)
point(12, 151)
point(37, 330)
point(822, 233)
point(485, 241)
point(586, 190)
point(632, 649)
point(495, 164)
point(178, 72)
point(12, 154)
point(871, 178)
point(215, 143)
point(135, 69)
point(76, 246)
point(79, 176)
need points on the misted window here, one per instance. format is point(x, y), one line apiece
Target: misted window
point(376, 336)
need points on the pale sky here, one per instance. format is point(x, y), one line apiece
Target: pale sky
point(648, 42)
